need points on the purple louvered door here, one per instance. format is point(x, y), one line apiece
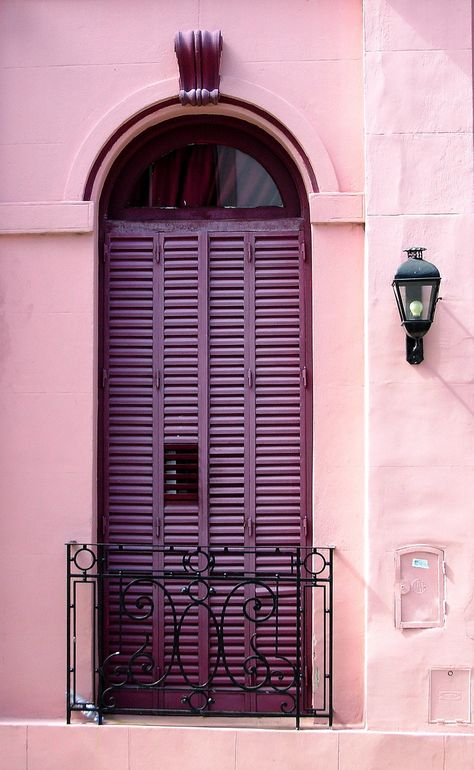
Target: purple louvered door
point(204, 438)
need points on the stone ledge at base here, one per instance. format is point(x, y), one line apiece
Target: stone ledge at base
point(56, 746)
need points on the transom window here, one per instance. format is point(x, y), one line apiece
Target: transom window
point(202, 169)
point(204, 175)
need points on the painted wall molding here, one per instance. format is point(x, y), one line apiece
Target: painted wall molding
point(336, 208)
point(78, 216)
point(46, 217)
point(144, 99)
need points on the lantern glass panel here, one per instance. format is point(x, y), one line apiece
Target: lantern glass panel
point(418, 299)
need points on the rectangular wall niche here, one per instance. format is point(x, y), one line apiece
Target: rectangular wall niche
point(419, 587)
point(450, 695)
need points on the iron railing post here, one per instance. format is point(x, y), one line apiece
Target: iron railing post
point(68, 634)
point(299, 618)
point(331, 629)
point(99, 642)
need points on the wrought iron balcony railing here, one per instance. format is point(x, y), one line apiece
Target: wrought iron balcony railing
point(177, 630)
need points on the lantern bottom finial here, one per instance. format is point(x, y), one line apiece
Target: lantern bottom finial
point(414, 350)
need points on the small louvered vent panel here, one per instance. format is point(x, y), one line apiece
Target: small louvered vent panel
point(181, 472)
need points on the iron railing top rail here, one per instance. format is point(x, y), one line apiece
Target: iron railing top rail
point(310, 562)
point(186, 547)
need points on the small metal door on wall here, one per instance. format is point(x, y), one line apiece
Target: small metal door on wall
point(205, 437)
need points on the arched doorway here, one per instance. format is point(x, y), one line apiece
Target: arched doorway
point(205, 419)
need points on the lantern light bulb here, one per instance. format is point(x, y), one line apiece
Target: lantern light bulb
point(416, 308)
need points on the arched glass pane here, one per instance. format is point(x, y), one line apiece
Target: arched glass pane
point(205, 175)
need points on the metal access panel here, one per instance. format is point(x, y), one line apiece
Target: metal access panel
point(450, 695)
point(419, 587)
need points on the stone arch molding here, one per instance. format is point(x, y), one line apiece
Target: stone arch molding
point(247, 93)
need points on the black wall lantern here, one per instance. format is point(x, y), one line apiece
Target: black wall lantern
point(416, 286)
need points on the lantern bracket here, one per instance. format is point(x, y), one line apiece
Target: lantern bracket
point(414, 350)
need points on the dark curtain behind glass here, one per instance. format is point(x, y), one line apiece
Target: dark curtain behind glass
point(203, 176)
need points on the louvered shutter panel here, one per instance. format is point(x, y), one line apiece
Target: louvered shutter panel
point(256, 436)
point(279, 439)
point(279, 363)
point(179, 339)
point(128, 428)
point(228, 449)
point(227, 391)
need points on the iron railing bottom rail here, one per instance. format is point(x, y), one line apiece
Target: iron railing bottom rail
point(264, 635)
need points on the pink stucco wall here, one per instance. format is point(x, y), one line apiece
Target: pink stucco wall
point(68, 81)
point(418, 118)
point(393, 443)
point(46, 746)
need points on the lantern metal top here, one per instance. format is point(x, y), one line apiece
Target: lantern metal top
point(415, 268)
point(416, 252)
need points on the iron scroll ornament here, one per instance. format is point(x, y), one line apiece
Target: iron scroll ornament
point(270, 673)
point(199, 55)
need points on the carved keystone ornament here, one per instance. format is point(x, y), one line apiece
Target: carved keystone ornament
point(199, 54)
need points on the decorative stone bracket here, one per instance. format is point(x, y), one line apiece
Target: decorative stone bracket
point(199, 54)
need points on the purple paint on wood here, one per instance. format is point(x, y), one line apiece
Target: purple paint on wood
point(128, 429)
point(205, 347)
point(199, 54)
